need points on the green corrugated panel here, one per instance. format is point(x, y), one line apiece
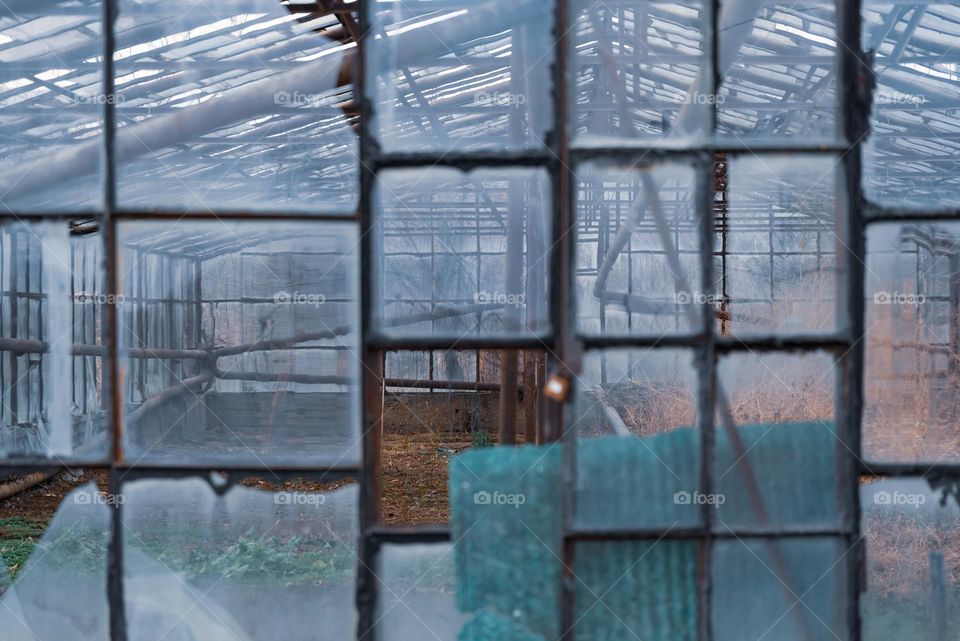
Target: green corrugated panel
point(624, 482)
point(487, 625)
point(637, 589)
point(506, 552)
point(795, 465)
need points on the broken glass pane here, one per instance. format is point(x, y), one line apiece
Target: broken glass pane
point(417, 598)
point(462, 254)
point(783, 589)
point(910, 156)
point(637, 590)
point(236, 105)
point(640, 73)
point(505, 524)
point(776, 245)
point(239, 341)
point(911, 568)
point(638, 251)
point(53, 313)
point(912, 350)
point(250, 565)
point(777, 448)
point(60, 592)
point(780, 73)
point(638, 463)
point(460, 75)
point(52, 102)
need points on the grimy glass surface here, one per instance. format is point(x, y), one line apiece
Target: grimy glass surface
point(52, 103)
point(912, 297)
point(776, 441)
point(780, 67)
point(52, 308)
point(777, 246)
point(910, 157)
point(460, 75)
point(418, 593)
point(462, 254)
point(238, 105)
point(249, 564)
point(250, 336)
point(640, 73)
point(638, 250)
point(911, 560)
point(436, 148)
point(648, 475)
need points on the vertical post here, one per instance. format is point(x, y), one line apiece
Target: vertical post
point(514, 257)
point(938, 596)
point(529, 397)
point(372, 361)
point(721, 209)
point(954, 320)
point(508, 397)
point(115, 592)
point(14, 326)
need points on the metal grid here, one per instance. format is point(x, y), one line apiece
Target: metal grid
point(563, 345)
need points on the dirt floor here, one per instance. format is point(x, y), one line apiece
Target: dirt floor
point(421, 433)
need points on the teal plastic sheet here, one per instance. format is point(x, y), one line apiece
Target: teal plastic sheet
point(506, 526)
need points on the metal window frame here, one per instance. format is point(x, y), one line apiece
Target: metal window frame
point(563, 344)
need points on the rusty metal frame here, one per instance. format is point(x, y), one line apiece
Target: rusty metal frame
point(562, 343)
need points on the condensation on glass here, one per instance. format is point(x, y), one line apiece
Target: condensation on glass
point(51, 97)
point(779, 63)
point(640, 73)
point(462, 254)
point(778, 245)
point(256, 562)
point(238, 106)
point(778, 452)
point(638, 250)
point(912, 299)
point(910, 156)
point(911, 531)
point(460, 75)
point(417, 592)
point(239, 342)
point(648, 400)
point(52, 328)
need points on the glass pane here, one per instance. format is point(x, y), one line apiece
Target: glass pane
point(52, 102)
point(638, 265)
point(59, 587)
point(779, 66)
point(637, 590)
point(776, 247)
point(239, 342)
point(462, 254)
point(638, 463)
point(251, 564)
point(911, 569)
point(785, 589)
point(461, 75)
point(910, 157)
point(417, 598)
point(233, 105)
point(912, 346)
point(641, 73)
point(776, 443)
point(53, 312)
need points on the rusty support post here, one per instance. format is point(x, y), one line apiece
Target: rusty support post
point(530, 414)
